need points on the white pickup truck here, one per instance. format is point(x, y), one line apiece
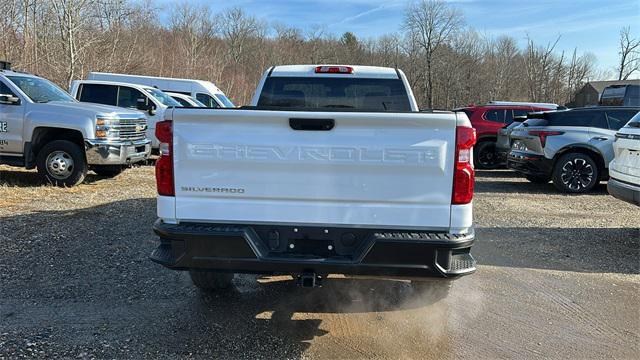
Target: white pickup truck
point(42, 126)
point(332, 170)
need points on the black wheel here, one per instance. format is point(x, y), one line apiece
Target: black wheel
point(62, 163)
point(211, 280)
point(575, 173)
point(485, 155)
point(436, 289)
point(108, 170)
point(537, 179)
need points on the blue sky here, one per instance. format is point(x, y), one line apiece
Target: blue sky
point(590, 25)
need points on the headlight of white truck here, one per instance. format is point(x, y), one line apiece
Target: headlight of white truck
point(106, 128)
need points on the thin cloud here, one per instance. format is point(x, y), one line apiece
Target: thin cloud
point(386, 5)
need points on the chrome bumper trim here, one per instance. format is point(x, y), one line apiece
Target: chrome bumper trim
point(108, 152)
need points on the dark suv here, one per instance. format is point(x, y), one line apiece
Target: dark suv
point(488, 120)
point(571, 147)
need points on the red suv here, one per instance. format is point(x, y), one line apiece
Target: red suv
point(488, 119)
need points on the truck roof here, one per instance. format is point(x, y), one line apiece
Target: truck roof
point(523, 103)
point(13, 72)
point(359, 71)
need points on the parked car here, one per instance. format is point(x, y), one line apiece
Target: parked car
point(624, 170)
point(130, 96)
point(503, 139)
point(43, 127)
point(333, 169)
point(620, 95)
point(186, 100)
point(573, 148)
point(204, 91)
point(489, 119)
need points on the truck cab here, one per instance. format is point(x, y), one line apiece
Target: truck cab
point(301, 87)
point(43, 127)
point(152, 101)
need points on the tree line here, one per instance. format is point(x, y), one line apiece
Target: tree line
point(447, 63)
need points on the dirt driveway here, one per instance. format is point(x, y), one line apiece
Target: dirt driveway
point(558, 277)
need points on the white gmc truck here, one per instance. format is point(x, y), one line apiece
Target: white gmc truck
point(331, 170)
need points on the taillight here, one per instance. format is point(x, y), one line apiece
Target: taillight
point(463, 175)
point(542, 134)
point(334, 70)
point(164, 165)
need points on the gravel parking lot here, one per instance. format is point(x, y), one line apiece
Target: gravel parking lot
point(558, 277)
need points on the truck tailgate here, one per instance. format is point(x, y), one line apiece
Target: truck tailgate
point(370, 170)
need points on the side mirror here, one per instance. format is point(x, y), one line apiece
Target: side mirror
point(152, 110)
point(141, 104)
point(8, 99)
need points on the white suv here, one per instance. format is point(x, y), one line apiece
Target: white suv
point(624, 170)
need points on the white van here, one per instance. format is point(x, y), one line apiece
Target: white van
point(152, 101)
point(204, 91)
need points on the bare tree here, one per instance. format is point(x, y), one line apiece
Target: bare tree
point(72, 16)
point(540, 64)
point(629, 54)
point(434, 23)
point(315, 36)
point(237, 29)
point(193, 26)
point(579, 69)
point(446, 67)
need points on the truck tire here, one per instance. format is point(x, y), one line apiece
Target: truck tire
point(537, 179)
point(434, 289)
point(62, 163)
point(211, 280)
point(575, 173)
point(485, 155)
point(108, 170)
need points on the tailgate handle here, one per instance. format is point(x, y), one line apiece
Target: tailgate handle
point(311, 124)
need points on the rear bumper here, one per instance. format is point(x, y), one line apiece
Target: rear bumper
point(265, 249)
point(529, 164)
point(624, 191)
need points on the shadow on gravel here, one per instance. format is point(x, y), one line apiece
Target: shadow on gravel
point(502, 173)
point(80, 282)
point(501, 185)
point(595, 250)
point(23, 178)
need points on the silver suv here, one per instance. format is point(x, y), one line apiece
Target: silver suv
point(573, 148)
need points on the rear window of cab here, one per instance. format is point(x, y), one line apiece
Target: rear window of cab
point(335, 93)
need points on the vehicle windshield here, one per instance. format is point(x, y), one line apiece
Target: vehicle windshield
point(224, 100)
point(196, 101)
point(40, 90)
point(163, 98)
point(635, 121)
